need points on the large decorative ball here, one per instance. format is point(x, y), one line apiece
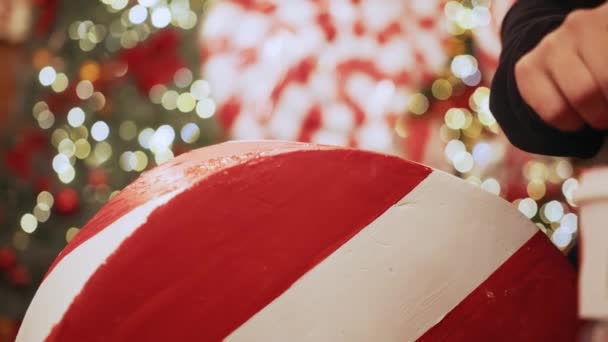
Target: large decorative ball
point(276, 241)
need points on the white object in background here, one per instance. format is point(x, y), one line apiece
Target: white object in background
point(592, 197)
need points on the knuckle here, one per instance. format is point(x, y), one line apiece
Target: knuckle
point(576, 20)
point(583, 96)
point(523, 67)
point(551, 112)
point(552, 42)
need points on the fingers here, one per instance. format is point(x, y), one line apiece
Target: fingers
point(579, 87)
point(542, 94)
point(593, 48)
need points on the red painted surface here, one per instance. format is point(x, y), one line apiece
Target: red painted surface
point(178, 173)
point(218, 253)
point(531, 297)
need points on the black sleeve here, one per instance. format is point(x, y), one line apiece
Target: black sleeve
point(525, 25)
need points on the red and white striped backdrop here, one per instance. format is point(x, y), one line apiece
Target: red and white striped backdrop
point(336, 72)
point(275, 241)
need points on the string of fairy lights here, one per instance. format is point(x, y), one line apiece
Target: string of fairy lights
point(85, 138)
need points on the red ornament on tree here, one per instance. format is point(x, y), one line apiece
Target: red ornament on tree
point(20, 276)
point(7, 258)
point(67, 201)
point(155, 61)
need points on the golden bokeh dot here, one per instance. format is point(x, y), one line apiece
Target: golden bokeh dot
point(83, 148)
point(80, 132)
point(468, 119)
point(98, 100)
point(97, 33)
point(90, 71)
point(127, 130)
point(441, 89)
point(494, 128)
point(102, 152)
point(61, 83)
point(46, 119)
point(86, 45)
point(45, 198)
point(456, 30)
point(141, 161)
point(186, 102)
point(163, 156)
point(473, 131)
point(58, 136)
point(71, 233)
point(169, 100)
point(418, 104)
point(563, 169)
point(84, 89)
point(486, 118)
point(38, 108)
point(67, 147)
point(455, 118)
point(480, 99)
point(42, 213)
point(535, 170)
point(73, 30)
point(129, 39)
point(536, 189)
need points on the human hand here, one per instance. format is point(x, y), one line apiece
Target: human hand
point(565, 77)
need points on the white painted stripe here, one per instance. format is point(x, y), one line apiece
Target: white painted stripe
point(67, 279)
point(402, 274)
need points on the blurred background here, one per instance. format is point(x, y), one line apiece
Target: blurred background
point(93, 93)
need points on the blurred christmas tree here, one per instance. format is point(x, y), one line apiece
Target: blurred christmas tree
point(110, 88)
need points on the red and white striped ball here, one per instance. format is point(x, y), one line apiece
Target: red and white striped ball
point(276, 241)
